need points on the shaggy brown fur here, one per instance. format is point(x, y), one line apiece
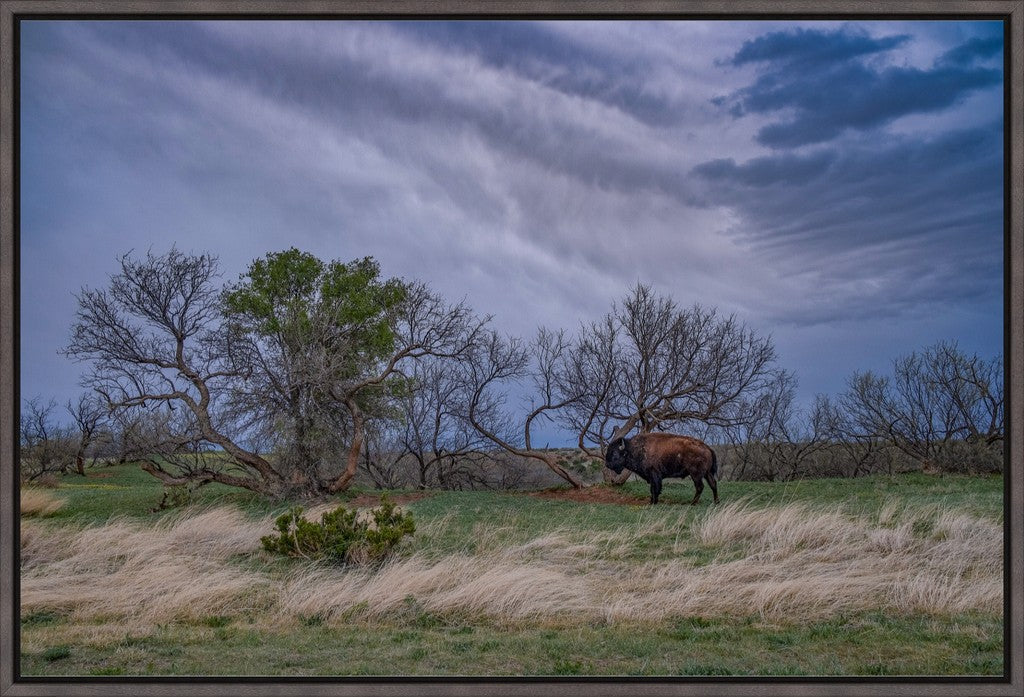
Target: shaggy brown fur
point(655, 456)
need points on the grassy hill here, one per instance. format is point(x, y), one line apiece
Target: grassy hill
point(875, 576)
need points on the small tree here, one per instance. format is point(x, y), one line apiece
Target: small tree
point(47, 447)
point(432, 427)
point(778, 440)
point(88, 414)
point(858, 449)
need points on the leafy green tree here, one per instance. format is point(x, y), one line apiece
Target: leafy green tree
point(326, 344)
point(303, 327)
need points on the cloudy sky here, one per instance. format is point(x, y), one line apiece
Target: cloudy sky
point(837, 185)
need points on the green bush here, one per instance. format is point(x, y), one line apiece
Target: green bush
point(342, 536)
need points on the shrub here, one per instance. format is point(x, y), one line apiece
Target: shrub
point(963, 457)
point(342, 535)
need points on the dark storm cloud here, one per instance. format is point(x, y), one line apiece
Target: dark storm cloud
point(915, 222)
point(978, 48)
point(204, 134)
point(873, 222)
point(767, 171)
point(820, 77)
point(811, 48)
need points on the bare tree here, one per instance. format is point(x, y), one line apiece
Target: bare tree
point(491, 366)
point(857, 449)
point(678, 366)
point(650, 365)
point(122, 425)
point(168, 443)
point(974, 386)
point(798, 436)
point(647, 365)
point(777, 439)
point(382, 456)
point(46, 446)
point(88, 414)
point(934, 401)
point(153, 338)
point(586, 377)
point(433, 429)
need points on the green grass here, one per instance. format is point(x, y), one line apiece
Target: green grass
point(126, 490)
point(977, 495)
point(416, 642)
point(859, 645)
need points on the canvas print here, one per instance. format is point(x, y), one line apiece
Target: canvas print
point(518, 347)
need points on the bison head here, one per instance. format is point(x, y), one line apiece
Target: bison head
point(617, 454)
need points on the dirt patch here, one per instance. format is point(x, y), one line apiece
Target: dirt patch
point(592, 494)
point(370, 501)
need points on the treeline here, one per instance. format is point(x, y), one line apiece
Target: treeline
point(303, 374)
point(937, 410)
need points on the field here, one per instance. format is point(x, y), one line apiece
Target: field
point(880, 575)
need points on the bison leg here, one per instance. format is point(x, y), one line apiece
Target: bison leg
point(655, 489)
point(714, 484)
point(699, 486)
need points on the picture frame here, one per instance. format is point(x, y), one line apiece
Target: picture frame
point(13, 11)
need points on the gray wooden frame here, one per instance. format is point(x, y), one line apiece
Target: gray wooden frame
point(1012, 10)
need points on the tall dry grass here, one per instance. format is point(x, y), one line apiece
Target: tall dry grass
point(792, 562)
point(179, 568)
point(38, 502)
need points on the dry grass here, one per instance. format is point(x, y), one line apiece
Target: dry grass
point(799, 563)
point(38, 502)
point(177, 569)
point(791, 563)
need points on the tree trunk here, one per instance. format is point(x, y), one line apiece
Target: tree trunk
point(423, 467)
point(260, 486)
point(345, 480)
point(615, 479)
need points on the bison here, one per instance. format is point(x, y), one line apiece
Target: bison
point(655, 456)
